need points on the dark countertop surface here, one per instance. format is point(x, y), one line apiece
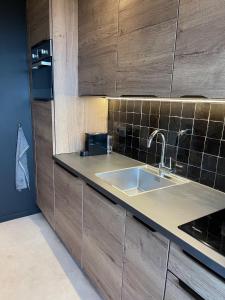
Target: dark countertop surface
point(164, 209)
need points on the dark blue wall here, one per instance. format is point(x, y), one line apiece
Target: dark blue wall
point(14, 107)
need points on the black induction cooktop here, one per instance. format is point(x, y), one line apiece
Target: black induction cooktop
point(210, 230)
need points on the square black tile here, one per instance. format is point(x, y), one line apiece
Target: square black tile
point(188, 110)
point(202, 111)
point(135, 153)
point(207, 178)
point(163, 122)
point(217, 112)
point(137, 119)
point(145, 120)
point(195, 158)
point(209, 163)
point(193, 173)
point(144, 133)
point(220, 183)
point(110, 105)
point(130, 106)
point(182, 155)
point(116, 105)
point(129, 129)
point(197, 143)
point(151, 158)
point(222, 149)
point(142, 156)
point(136, 131)
point(154, 121)
point(135, 143)
point(212, 146)
point(130, 118)
point(116, 116)
point(165, 108)
point(129, 141)
point(172, 138)
point(110, 116)
point(143, 145)
point(138, 106)
point(187, 124)
point(176, 109)
point(215, 130)
point(221, 166)
point(146, 107)
point(155, 105)
point(123, 106)
point(174, 124)
point(123, 117)
point(185, 141)
point(200, 127)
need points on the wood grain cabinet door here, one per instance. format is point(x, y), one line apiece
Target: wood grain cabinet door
point(103, 242)
point(42, 128)
point(68, 210)
point(38, 20)
point(145, 262)
point(146, 45)
point(196, 277)
point(98, 29)
point(199, 67)
point(175, 291)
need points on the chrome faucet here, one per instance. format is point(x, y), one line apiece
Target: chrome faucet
point(162, 167)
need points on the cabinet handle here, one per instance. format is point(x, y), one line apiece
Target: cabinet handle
point(145, 225)
point(138, 96)
point(193, 96)
point(189, 290)
point(111, 201)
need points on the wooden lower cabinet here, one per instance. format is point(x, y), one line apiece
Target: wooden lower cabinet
point(68, 211)
point(103, 243)
point(43, 144)
point(175, 291)
point(145, 262)
point(195, 276)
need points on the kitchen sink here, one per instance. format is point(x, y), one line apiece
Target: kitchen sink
point(137, 180)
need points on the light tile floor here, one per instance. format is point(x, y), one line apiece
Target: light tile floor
point(34, 264)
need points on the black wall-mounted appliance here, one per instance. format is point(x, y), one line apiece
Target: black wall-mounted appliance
point(42, 71)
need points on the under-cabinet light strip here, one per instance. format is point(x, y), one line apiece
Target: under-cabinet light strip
point(189, 100)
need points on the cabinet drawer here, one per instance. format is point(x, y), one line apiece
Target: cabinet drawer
point(175, 291)
point(103, 243)
point(199, 279)
point(68, 210)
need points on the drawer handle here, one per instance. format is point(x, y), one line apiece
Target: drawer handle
point(189, 290)
point(111, 201)
point(145, 225)
point(193, 96)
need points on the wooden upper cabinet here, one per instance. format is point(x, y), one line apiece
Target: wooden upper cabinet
point(98, 30)
point(200, 49)
point(146, 43)
point(38, 19)
point(145, 262)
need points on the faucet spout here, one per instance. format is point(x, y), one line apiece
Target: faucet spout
point(150, 140)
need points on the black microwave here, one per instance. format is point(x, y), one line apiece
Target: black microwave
point(42, 71)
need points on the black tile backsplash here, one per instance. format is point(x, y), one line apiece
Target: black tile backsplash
point(194, 132)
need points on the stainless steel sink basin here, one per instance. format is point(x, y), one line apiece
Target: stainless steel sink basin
point(138, 180)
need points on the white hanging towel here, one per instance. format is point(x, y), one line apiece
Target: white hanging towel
point(22, 173)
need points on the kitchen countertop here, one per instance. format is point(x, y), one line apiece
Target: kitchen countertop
point(164, 209)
